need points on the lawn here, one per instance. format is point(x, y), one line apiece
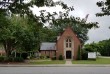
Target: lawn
point(48, 62)
point(97, 61)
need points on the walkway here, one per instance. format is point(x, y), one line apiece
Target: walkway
point(68, 62)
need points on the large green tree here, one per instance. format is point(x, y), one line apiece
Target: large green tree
point(21, 32)
point(11, 31)
point(104, 47)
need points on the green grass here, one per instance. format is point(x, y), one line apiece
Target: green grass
point(97, 61)
point(48, 62)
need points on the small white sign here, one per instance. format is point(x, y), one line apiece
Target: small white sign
point(91, 55)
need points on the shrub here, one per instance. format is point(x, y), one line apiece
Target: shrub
point(13, 59)
point(85, 56)
point(48, 56)
point(42, 57)
point(79, 54)
point(24, 55)
point(18, 59)
point(60, 57)
point(1, 58)
point(8, 59)
point(53, 58)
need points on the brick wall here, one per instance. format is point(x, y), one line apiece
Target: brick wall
point(60, 43)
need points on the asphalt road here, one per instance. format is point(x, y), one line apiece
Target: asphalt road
point(54, 70)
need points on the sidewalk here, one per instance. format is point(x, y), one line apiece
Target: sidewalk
point(68, 62)
point(55, 65)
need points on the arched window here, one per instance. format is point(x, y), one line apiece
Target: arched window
point(68, 43)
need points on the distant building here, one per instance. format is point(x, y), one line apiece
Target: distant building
point(67, 45)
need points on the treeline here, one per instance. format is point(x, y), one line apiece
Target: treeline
point(103, 47)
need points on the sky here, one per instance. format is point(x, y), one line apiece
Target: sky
point(82, 8)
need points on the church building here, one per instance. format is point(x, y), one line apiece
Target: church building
point(67, 45)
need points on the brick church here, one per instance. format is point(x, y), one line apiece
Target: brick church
point(67, 45)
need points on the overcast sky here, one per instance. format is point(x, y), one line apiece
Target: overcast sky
point(84, 7)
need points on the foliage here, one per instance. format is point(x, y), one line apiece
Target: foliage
point(18, 59)
point(79, 53)
point(13, 59)
point(105, 8)
point(43, 57)
point(48, 35)
point(54, 58)
point(84, 55)
point(61, 57)
point(92, 47)
point(6, 33)
point(23, 31)
point(22, 8)
point(104, 47)
point(79, 26)
point(1, 58)
point(18, 35)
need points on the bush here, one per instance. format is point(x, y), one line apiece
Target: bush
point(79, 54)
point(1, 58)
point(42, 57)
point(18, 59)
point(85, 56)
point(8, 59)
point(48, 56)
point(24, 55)
point(13, 59)
point(53, 58)
point(60, 57)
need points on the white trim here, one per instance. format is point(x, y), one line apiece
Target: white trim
point(69, 49)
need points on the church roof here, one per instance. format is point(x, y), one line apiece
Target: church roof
point(72, 31)
point(47, 46)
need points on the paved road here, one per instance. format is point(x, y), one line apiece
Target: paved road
point(54, 70)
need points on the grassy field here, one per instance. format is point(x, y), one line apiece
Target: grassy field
point(48, 62)
point(97, 61)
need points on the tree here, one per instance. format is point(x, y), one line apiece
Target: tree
point(105, 8)
point(92, 47)
point(104, 46)
point(18, 34)
point(48, 34)
point(6, 36)
point(11, 31)
point(22, 9)
point(79, 26)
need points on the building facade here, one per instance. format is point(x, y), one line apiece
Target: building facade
point(67, 45)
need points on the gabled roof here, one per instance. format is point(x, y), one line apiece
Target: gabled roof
point(72, 31)
point(47, 46)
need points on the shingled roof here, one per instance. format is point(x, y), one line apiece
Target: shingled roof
point(47, 46)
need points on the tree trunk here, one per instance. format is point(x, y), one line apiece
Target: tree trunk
point(8, 47)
